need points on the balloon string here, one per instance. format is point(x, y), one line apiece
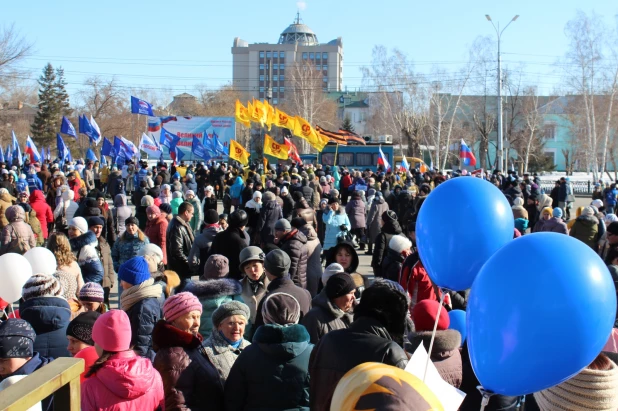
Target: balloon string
point(13, 310)
point(433, 335)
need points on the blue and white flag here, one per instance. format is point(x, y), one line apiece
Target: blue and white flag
point(168, 139)
point(139, 106)
point(108, 148)
point(16, 150)
point(90, 155)
point(67, 127)
point(103, 159)
point(148, 146)
point(63, 150)
point(198, 149)
point(96, 131)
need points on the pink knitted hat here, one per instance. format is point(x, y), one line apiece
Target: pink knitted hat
point(180, 304)
point(112, 331)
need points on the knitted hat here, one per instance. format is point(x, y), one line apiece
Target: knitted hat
point(211, 217)
point(153, 209)
point(330, 271)
point(229, 309)
point(92, 221)
point(166, 208)
point(249, 254)
point(152, 250)
point(518, 201)
point(389, 215)
point(180, 304)
point(16, 339)
point(217, 266)
point(81, 326)
point(283, 224)
point(281, 309)
point(134, 271)
point(277, 263)
point(80, 223)
point(588, 211)
point(557, 212)
point(92, 292)
point(597, 203)
point(41, 285)
point(399, 244)
point(339, 284)
point(588, 390)
point(68, 284)
point(269, 196)
point(112, 331)
point(548, 210)
point(131, 220)
point(424, 315)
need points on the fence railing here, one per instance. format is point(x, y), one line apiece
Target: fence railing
point(579, 187)
point(60, 378)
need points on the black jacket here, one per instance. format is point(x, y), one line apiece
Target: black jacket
point(210, 203)
point(389, 229)
point(391, 265)
point(49, 317)
point(285, 285)
point(143, 316)
point(273, 372)
point(308, 193)
point(288, 206)
point(269, 214)
point(230, 243)
point(339, 351)
point(178, 243)
point(295, 245)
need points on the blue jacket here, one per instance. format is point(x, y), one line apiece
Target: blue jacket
point(34, 182)
point(28, 368)
point(143, 316)
point(125, 248)
point(85, 249)
point(49, 316)
point(332, 222)
point(21, 185)
point(236, 188)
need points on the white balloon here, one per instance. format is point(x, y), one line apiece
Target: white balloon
point(42, 260)
point(15, 270)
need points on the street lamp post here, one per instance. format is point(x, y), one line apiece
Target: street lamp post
point(500, 155)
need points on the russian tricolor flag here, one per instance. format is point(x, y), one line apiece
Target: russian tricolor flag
point(382, 161)
point(466, 155)
point(32, 151)
point(404, 165)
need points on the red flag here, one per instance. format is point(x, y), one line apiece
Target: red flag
point(292, 150)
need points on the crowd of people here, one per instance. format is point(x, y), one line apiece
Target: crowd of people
point(262, 306)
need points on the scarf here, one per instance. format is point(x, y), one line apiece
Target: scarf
point(235, 345)
point(255, 284)
point(137, 293)
point(187, 226)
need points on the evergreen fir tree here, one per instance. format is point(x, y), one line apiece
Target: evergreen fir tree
point(62, 97)
point(53, 104)
point(347, 124)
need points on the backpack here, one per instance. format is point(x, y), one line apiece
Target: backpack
point(17, 245)
point(61, 223)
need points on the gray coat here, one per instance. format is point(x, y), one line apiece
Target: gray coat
point(120, 212)
point(378, 207)
point(324, 317)
point(314, 263)
point(356, 213)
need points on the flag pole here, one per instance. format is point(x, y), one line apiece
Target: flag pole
point(335, 159)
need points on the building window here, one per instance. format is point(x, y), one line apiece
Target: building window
point(275, 78)
point(261, 89)
point(275, 101)
point(261, 54)
point(318, 67)
point(324, 56)
point(325, 79)
point(281, 54)
point(261, 67)
point(549, 131)
point(261, 77)
point(311, 56)
point(275, 89)
point(268, 54)
point(325, 67)
point(281, 66)
point(345, 159)
point(364, 159)
point(281, 77)
point(281, 89)
point(327, 159)
point(304, 56)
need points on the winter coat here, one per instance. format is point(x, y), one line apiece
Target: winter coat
point(189, 379)
point(221, 354)
point(120, 213)
point(143, 316)
point(175, 203)
point(43, 210)
point(519, 212)
point(142, 218)
point(269, 214)
point(294, 244)
point(324, 317)
point(554, 224)
point(105, 255)
point(415, 280)
point(84, 248)
point(366, 340)
point(126, 382)
point(306, 212)
point(213, 293)
point(444, 354)
point(196, 220)
point(314, 262)
point(285, 285)
point(230, 243)
point(389, 229)
point(156, 231)
point(355, 210)
point(5, 202)
point(391, 265)
point(236, 188)
point(49, 316)
point(378, 207)
point(33, 364)
point(333, 222)
point(252, 300)
point(288, 206)
point(126, 248)
point(273, 372)
point(586, 229)
point(179, 240)
point(34, 223)
point(17, 230)
point(209, 203)
point(201, 248)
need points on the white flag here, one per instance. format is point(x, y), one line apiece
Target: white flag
point(96, 128)
point(148, 146)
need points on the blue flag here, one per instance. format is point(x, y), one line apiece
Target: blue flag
point(219, 149)
point(176, 154)
point(2, 160)
point(168, 139)
point(16, 150)
point(198, 149)
point(86, 128)
point(49, 153)
point(7, 154)
point(90, 155)
point(107, 149)
point(139, 106)
point(67, 128)
point(43, 154)
point(103, 159)
point(63, 150)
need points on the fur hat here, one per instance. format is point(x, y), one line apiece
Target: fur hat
point(281, 309)
point(180, 304)
point(81, 326)
point(152, 250)
point(217, 266)
point(597, 203)
point(41, 285)
point(588, 211)
point(399, 243)
point(229, 309)
point(269, 196)
point(80, 223)
point(518, 201)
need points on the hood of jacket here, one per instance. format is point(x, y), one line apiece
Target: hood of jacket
point(120, 200)
point(127, 375)
point(88, 238)
point(14, 214)
point(214, 288)
point(252, 204)
point(391, 227)
point(165, 335)
point(379, 200)
point(588, 220)
point(46, 314)
point(295, 234)
point(269, 205)
point(309, 232)
point(6, 197)
point(283, 343)
point(322, 301)
point(445, 342)
point(333, 254)
point(37, 196)
point(31, 366)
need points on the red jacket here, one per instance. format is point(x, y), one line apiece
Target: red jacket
point(346, 181)
point(155, 231)
point(43, 210)
point(126, 382)
point(415, 280)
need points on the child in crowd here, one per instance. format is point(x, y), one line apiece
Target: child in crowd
point(91, 298)
point(223, 220)
point(79, 336)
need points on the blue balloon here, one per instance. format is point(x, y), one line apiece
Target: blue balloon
point(532, 326)
point(462, 223)
point(458, 322)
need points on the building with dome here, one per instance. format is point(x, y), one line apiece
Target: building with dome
point(265, 70)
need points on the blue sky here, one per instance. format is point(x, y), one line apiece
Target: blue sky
point(159, 45)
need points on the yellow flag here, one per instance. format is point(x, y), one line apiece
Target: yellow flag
point(270, 115)
point(238, 152)
point(304, 130)
point(281, 119)
point(272, 148)
point(259, 113)
point(242, 115)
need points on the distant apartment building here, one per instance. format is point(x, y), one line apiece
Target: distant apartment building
point(262, 70)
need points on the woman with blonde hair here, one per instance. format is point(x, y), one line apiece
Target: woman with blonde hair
point(66, 263)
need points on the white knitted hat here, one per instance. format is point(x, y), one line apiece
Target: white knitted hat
point(399, 243)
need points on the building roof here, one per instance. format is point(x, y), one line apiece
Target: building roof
point(298, 33)
point(185, 95)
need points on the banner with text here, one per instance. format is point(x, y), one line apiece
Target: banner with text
point(203, 128)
